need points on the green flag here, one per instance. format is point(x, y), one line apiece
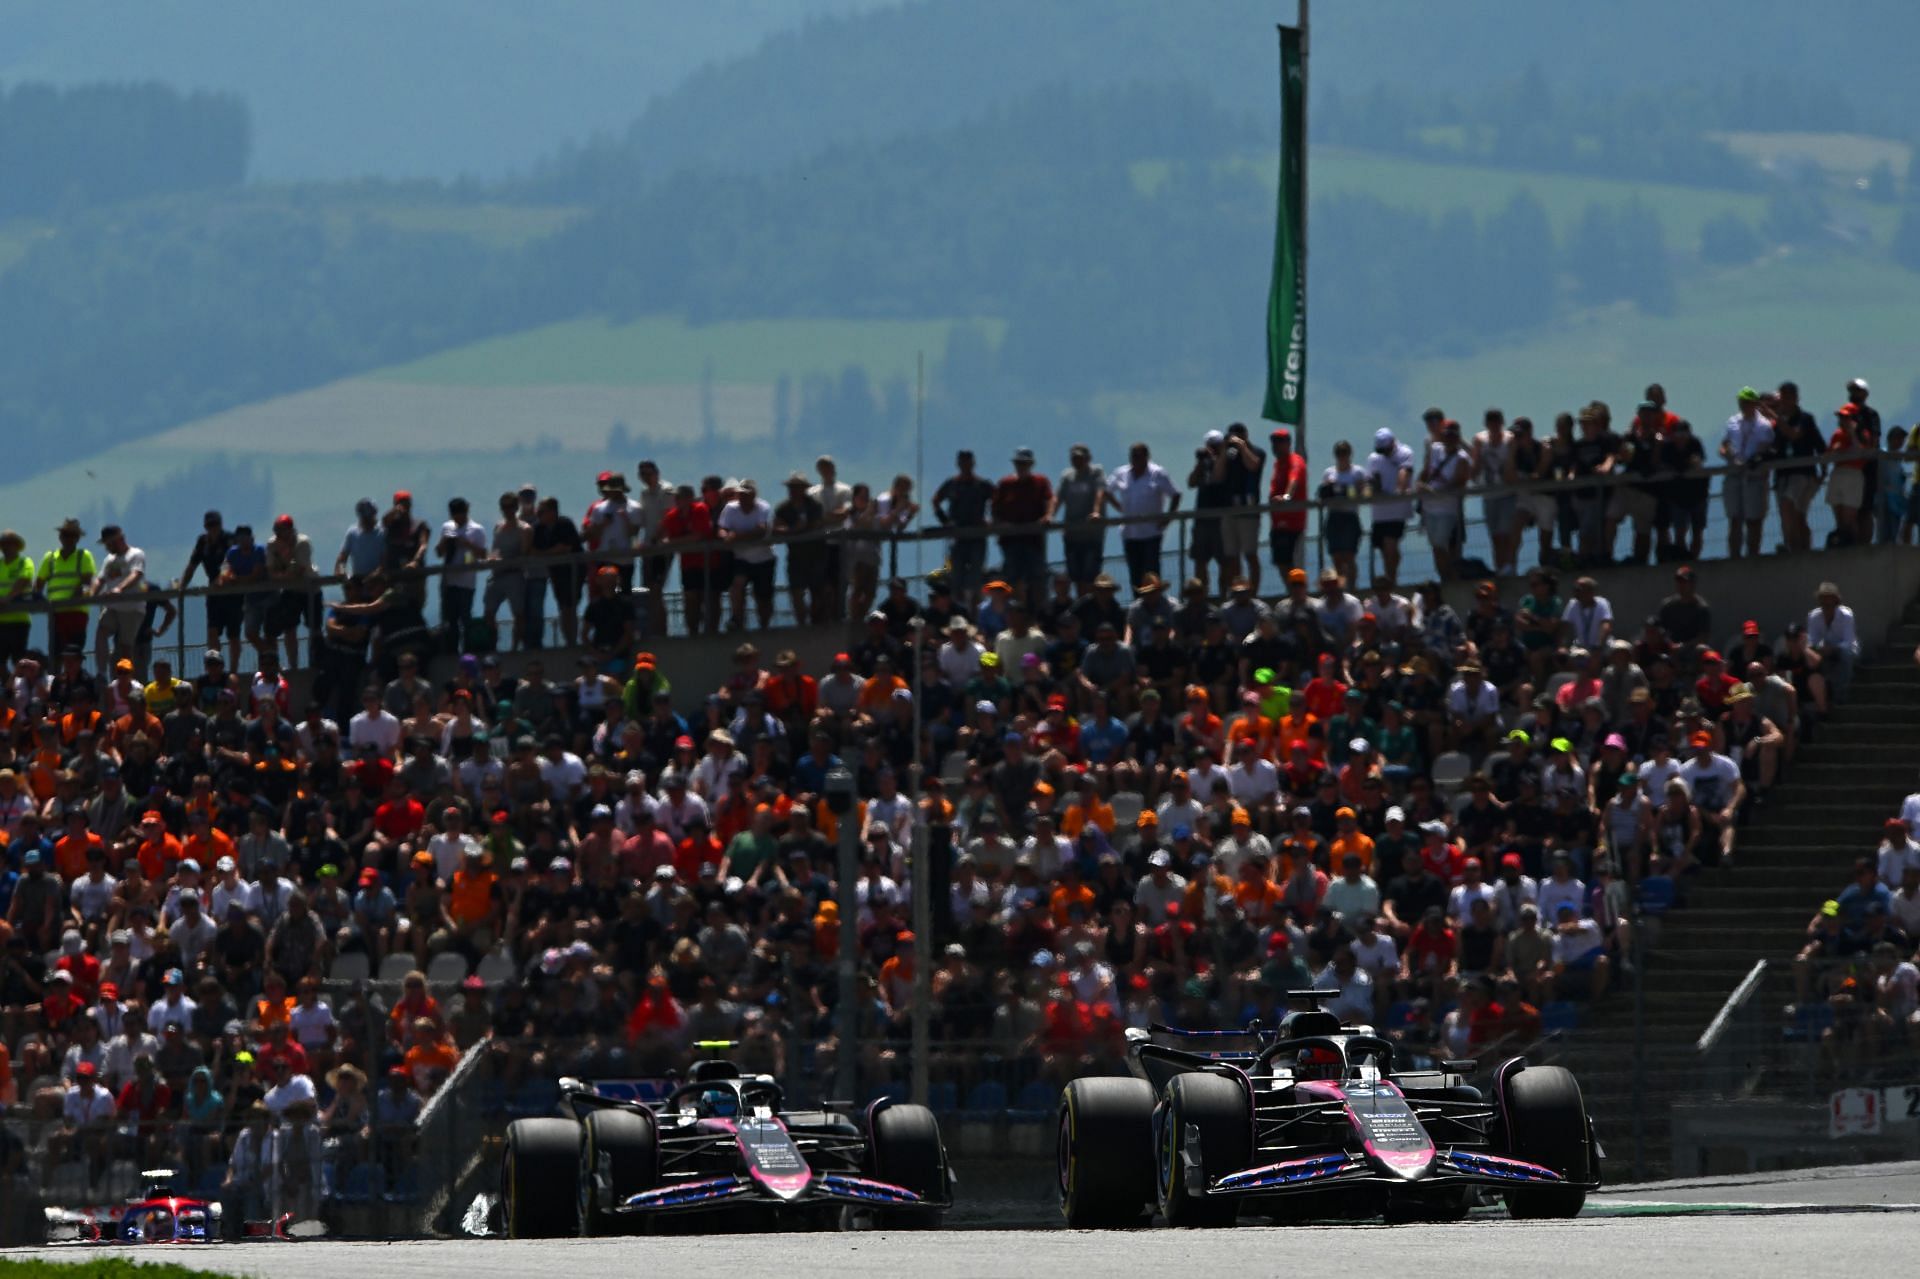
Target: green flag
point(1287, 299)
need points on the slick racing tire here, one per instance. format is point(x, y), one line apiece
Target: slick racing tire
point(624, 1147)
point(1547, 1125)
point(1105, 1152)
point(908, 1153)
point(537, 1179)
point(1217, 1107)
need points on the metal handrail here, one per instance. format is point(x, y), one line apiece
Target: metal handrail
point(1710, 1037)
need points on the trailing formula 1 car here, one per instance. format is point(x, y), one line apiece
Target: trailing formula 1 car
point(160, 1215)
point(723, 1144)
point(1313, 1121)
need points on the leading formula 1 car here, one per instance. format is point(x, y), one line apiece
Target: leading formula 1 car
point(719, 1143)
point(1312, 1121)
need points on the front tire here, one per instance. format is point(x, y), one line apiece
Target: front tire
point(1547, 1125)
point(538, 1175)
point(628, 1145)
point(1105, 1152)
point(1217, 1107)
point(908, 1153)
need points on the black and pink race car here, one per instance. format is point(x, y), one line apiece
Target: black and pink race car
point(1313, 1121)
point(722, 1146)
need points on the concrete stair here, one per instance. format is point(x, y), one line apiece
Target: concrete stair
point(1797, 850)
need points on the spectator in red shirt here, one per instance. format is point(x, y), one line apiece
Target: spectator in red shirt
point(1714, 684)
point(1439, 854)
point(146, 1102)
point(698, 849)
point(1288, 483)
point(689, 520)
point(1325, 694)
point(1431, 948)
point(1021, 501)
point(78, 964)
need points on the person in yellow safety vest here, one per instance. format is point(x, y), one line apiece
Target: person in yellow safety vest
point(66, 579)
point(17, 577)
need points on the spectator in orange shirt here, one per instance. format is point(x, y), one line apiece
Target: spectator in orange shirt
point(473, 902)
point(1259, 898)
point(205, 842)
point(1249, 725)
point(158, 850)
point(70, 852)
point(137, 722)
point(1296, 725)
point(275, 1005)
point(1086, 808)
point(432, 1056)
point(1350, 841)
point(791, 695)
point(1198, 722)
point(1067, 894)
point(413, 1005)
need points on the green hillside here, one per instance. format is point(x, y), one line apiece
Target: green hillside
point(663, 349)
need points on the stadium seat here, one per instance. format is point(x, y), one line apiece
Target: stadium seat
point(449, 968)
point(360, 1185)
point(988, 1097)
point(954, 767)
point(395, 967)
point(1036, 1101)
point(405, 1188)
point(353, 966)
point(1449, 771)
point(1127, 806)
point(496, 967)
point(1559, 1015)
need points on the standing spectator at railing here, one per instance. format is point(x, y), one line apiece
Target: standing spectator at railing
point(1684, 492)
point(963, 501)
point(1832, 634)
point(1748, 439)
point(1144, 494)
point(745, 525)
point(362, 550)
point(836, 500)
point(1390, 476)
point(1448, 470)
point(1076, 506)
point(224, 612)
point(653, 497)
point(1638, 501)
point(1339, 526)
point(1847, 485)
point(119, 594)
point(1020, 505)
point(462, 544)
point(689, 521)
point(1594, 454)
point(1867, 427)
point(1239, 464)
point(1529, 460)
point(612, 525)
point(801, 515)
point(512, 541)
point(1289, 484)
point(66, 580)
point(1494, 465)
point(1796, 441)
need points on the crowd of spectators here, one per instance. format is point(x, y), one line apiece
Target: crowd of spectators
point(1144, 801)
point(1857, 978)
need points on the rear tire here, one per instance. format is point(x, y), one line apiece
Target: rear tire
point(908, 1153)
point(1217, 1107)
point(629, 1144)
point(1547, 1125)
point(1105, 1153)
point(538, 1176)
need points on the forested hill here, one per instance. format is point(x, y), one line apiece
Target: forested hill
point(899, 70)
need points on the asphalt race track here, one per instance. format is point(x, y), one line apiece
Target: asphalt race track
point(1838, 1220)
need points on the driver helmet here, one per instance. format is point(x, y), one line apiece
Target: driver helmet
point(1316, 1062)
point(719, 1103)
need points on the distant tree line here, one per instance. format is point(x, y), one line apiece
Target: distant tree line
point(68, 149)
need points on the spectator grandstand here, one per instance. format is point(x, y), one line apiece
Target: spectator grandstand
point(261, 900)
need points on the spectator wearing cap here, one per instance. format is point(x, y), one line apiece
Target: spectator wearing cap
point(66, 580)
point(1832, 634)
point(1473, 711)
point(87, 1114)
point(1748, 438)
point(965, 501)
point(1021, 502)
point(290, 573)
point(1718, 793)
point(119, 595)
point(1391, 473)
point(802, 516)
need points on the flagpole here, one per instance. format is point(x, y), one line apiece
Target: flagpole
point(1306, 83)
